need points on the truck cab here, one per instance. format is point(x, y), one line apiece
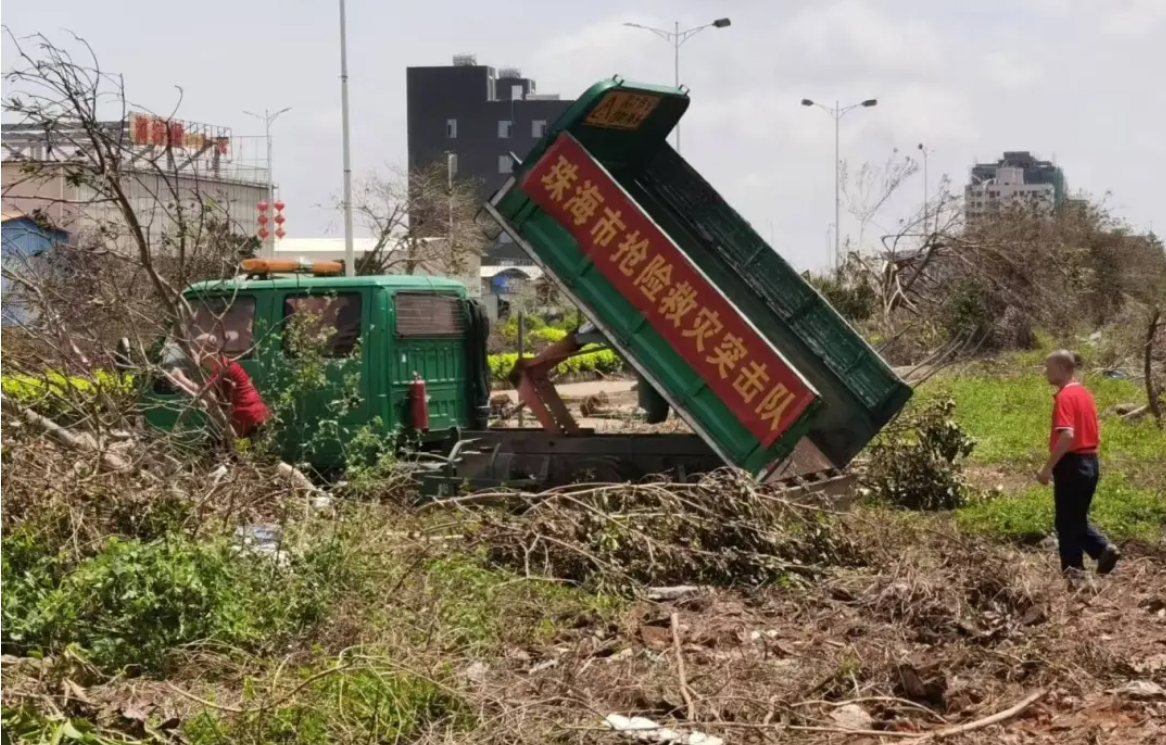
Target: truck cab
point(374, 335)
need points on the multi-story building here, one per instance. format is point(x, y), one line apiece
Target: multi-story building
point(472, 118)
point(1016, 181)
point(174, 175)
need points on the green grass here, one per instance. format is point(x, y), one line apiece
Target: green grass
point(1009, 417)
point(1121, 511)
point(1009, 414)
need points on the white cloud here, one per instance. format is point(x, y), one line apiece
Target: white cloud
point(855, 31)
point(1011, 71)
point(1135, 17)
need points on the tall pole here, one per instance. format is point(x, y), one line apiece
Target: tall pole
point(349, 256)
point(270, 182)
point(268, 118)
point(676, 70)
point(676, 38)
point(926, 194)
point(837, 187)
point(449, 191)
point(837, 112)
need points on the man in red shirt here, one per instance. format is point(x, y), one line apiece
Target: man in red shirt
point(1074, 468)
point(233, 386)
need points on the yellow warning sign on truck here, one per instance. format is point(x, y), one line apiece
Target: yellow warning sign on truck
point(622, 110)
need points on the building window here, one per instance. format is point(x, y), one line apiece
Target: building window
point(538, 127)
point(451, 128)
point(504, 128)
point(504, 164)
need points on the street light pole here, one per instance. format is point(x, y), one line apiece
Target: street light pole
point(349, 257)
point(837, 112)
point(926, 192)
point(676, 38)
point(267, 118)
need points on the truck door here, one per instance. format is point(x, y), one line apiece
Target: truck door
point(324, 376)
point(429, 339)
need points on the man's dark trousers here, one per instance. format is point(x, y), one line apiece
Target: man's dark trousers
point(1074, 481)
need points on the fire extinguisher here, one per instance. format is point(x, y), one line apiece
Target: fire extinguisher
point(418, 404)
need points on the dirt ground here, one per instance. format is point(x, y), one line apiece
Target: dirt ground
point(941, 636)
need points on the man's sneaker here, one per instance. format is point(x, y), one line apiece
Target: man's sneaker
point(1108, 559)
point(1075, 579)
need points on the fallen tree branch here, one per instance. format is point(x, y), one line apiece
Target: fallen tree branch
point(61, 435)
point(681, 673)
point(1147, 362)
point(1000, 716)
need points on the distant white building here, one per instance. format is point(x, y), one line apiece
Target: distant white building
point(1017, 181)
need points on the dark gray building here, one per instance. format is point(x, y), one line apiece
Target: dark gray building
point(480, 115)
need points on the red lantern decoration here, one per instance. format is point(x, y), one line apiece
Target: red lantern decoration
point(280, 233)
point(280, 219)
point(278, 204)
point(263, 219)
point(262, 205)
point(263, 234)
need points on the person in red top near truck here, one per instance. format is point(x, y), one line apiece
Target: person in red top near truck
point(233, 385)
point(1074, 467)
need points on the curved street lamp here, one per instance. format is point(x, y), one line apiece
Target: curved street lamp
point(676, 38)
point(837, 112)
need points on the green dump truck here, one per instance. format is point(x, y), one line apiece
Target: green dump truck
point(719, 328)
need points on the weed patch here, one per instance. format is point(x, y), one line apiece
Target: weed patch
point(132, 603)
point(1122, 511)
point(1009, 418)
point(370, 704)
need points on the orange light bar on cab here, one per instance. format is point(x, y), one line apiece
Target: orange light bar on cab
point(291, 266)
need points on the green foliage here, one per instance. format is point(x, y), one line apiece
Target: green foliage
point(132, 603)
point(27, 725)
point(66, 398)
point(604, 361)
point(379, 703)
point(919, 464)
point(482, 605)
point(1122, 511)
point(855, 301)
point(1008, 414)
point(969, 310)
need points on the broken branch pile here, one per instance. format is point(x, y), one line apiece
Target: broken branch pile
point(722, 530)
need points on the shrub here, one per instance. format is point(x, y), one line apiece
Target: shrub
point(132, 602)
point(604, 361)
point(67, 397)
point(919, 464)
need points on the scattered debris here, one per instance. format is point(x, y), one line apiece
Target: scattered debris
point(643, 729)
point(594, 405)
point(853, 717)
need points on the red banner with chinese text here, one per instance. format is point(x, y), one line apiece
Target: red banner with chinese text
point(651, 271)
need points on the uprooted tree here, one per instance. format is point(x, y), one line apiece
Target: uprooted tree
point(422, 221)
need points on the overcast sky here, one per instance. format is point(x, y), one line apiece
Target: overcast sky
point(1079, 81)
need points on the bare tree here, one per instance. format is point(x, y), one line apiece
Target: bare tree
point(142, 223)
point(422, 221)
point(872, 186)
